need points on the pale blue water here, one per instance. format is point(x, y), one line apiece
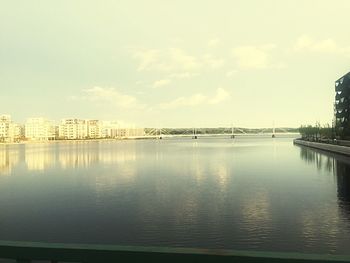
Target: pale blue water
point(247, 193)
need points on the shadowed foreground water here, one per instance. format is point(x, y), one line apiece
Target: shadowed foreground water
point(247, 193)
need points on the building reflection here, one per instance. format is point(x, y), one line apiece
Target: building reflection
point(9, 158)
point(39, 157)
point(82, 155)
point(117, 156)
point(222, 175)
point(343, 182)
point(77, 155)
point(339, 165)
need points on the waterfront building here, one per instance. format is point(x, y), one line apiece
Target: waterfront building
point(342, 106)
point(16, 132)
point(73, 129)
point(113, 129)
point(9, 131)
point(5, 121)
point(131, 132)
point(94, 129)
point(109, 129)
point(39, 129)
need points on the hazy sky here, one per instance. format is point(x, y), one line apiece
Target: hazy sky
point(174, 63)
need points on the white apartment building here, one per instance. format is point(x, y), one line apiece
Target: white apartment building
point(39, 129)
point(5, 122)
point(112, 129)
point(73, 129)
point(94, 129)
point(9, 131)
point(131, 132)
point(16, 132)
point(109, 129)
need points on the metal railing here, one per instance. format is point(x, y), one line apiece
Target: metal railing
point(87, 253)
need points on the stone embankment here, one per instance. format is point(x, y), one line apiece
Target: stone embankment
point(345, 150)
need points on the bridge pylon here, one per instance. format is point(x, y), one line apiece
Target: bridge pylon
point(194, 136)
point(232, 132)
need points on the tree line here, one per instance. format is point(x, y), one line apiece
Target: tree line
point(317, 132)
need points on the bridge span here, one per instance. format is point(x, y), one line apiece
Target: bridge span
point(197, 136)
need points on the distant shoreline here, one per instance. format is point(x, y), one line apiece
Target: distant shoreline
point(57, 141)
point(129, 138)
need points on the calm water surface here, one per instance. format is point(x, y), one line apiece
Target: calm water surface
point(247, 193)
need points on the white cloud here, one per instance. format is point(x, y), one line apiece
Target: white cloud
point(231, 73)
point(213, 62)
point(213, 42)
point(161, 83)
point(183, 75)
point(148, 58)
point(183, 60)
point(255, 57)
point(197, 99)
point(251, 57)
point(111, 96)
point(220, 96)
point(140, 82)
point(165, 60)
point(329, 45)
point(174, 61)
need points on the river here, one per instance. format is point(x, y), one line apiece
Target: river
point(249, 193)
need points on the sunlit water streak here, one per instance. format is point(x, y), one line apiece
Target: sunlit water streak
point(246, 193)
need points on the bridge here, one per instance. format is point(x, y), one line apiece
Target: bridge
point(195, 133)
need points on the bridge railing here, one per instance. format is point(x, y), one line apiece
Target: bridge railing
point(88, 253)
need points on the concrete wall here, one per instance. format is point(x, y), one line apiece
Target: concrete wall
point(326, 147)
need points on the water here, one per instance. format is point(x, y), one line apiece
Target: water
point(247, 193)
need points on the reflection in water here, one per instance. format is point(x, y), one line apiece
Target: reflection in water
point(322, 160)
point(77, 155)
point(222, 176)
point(257, 216)
point(338, 165)
point(39, 157)
point(321, 225)
point(343, 182)
point(209, 193)
point(9, 158)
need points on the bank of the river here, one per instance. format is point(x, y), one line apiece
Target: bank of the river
point(324, 146)
point(60, 141)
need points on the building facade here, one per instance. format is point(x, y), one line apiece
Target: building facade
point(9, 131)
point(131, 132)
point(112, 129)
point(39, 129)
point(109, 129)
point(5, 122)
point(73, 129)
point(342, 107)
point(94, 129)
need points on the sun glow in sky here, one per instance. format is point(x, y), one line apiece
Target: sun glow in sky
point(174, 63)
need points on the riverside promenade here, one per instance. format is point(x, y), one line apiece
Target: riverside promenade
point(340, 149)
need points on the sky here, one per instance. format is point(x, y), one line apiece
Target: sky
point(163, 63)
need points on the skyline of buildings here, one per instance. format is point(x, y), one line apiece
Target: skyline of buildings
point(42, 129)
